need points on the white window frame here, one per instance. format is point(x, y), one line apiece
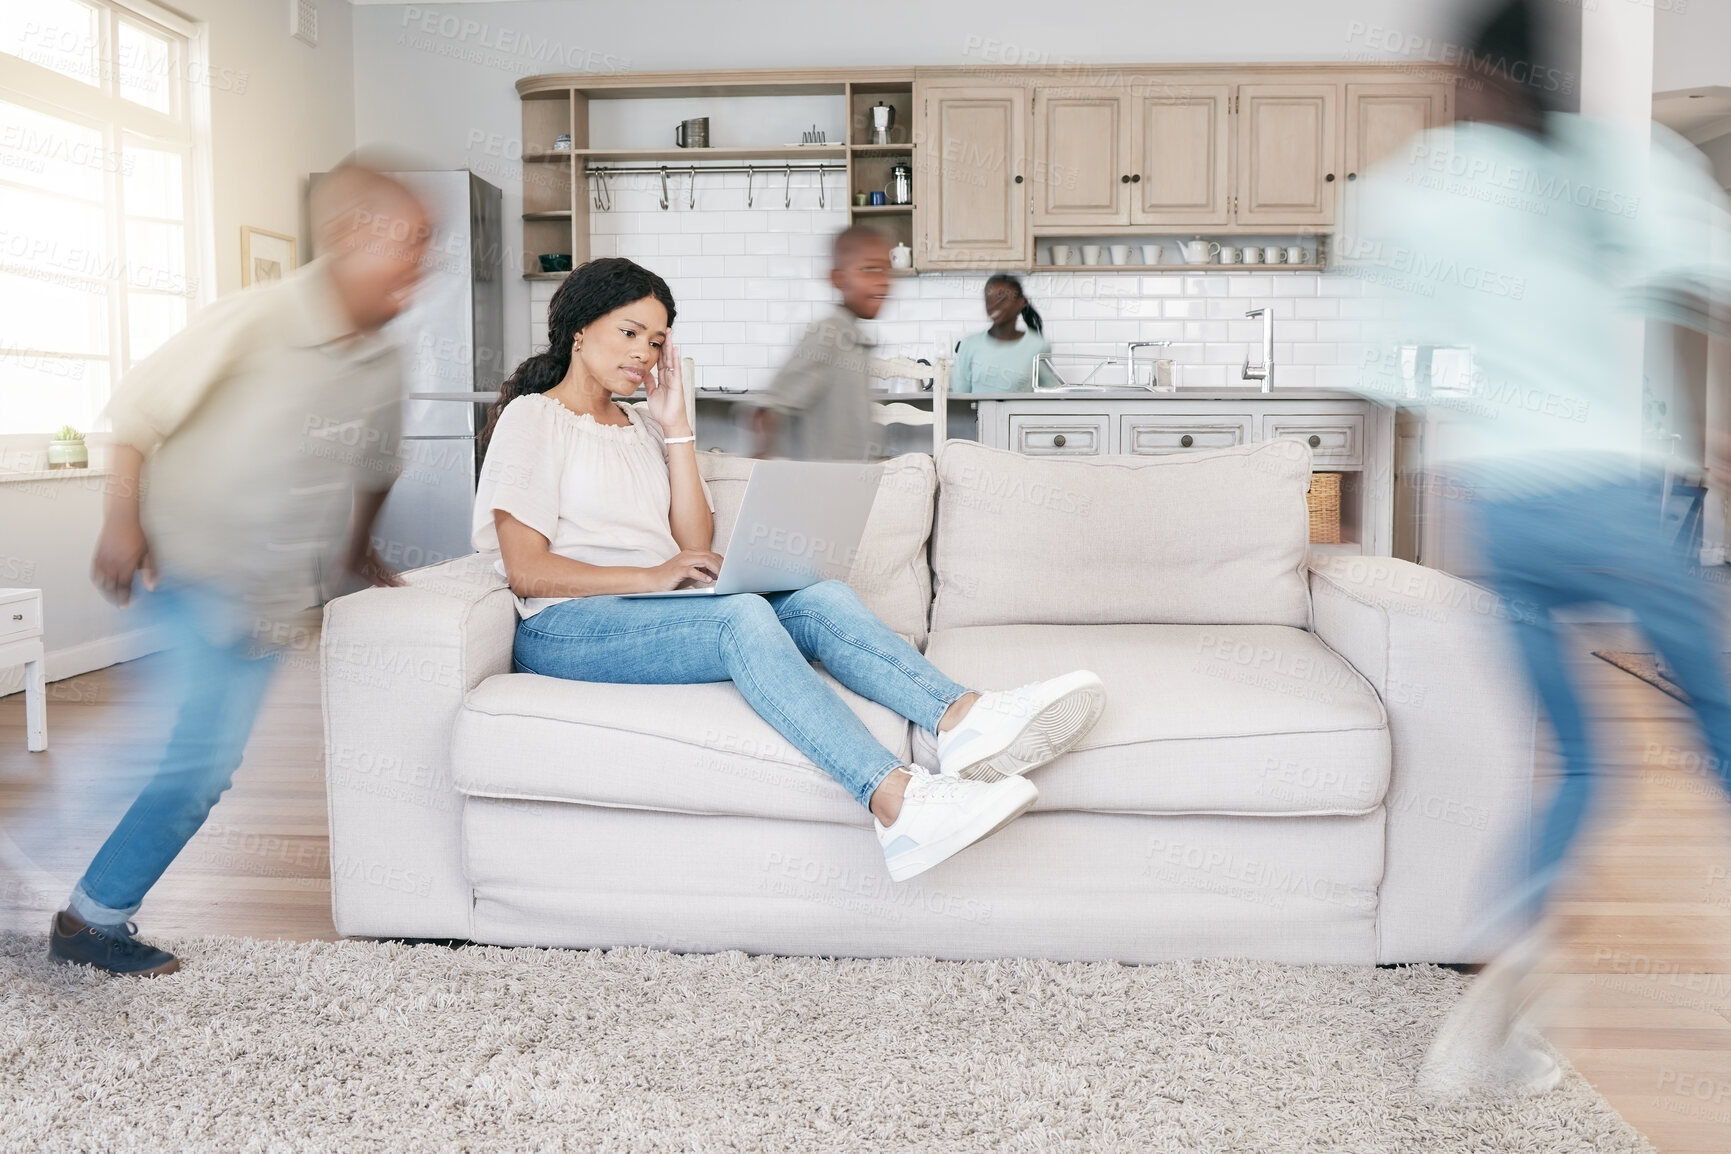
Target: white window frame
point(119, 120)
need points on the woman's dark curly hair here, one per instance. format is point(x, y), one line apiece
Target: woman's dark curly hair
point(594, 289)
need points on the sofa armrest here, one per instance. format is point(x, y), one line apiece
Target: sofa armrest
point(394, 666)
point(1462, 721)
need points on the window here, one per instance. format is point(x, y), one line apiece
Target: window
point(103, 244)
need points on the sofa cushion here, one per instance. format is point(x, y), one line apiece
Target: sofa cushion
point(1196, 538)
point(678, 748)
point(1221, 719)
point(889, 572)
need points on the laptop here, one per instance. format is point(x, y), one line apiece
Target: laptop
point(799, 523)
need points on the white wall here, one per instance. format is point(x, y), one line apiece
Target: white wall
point(293, 113)
point(1691, 43)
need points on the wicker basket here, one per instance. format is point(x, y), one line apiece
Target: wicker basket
point(1324, 502)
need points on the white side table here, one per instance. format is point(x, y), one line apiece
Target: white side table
point(21, 644)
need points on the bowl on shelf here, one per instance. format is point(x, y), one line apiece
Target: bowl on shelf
point(555, 261)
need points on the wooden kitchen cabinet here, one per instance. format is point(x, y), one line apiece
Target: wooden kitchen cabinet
point(1288, 156)
point(1183, 156)
point(1383, 118)
point(974, 207)
point(1083, 141)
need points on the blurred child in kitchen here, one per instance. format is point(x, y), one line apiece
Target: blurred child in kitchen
point(251, 455)
point(1001, 359)
point(818, 408)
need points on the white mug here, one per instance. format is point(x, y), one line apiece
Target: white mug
point(1090, 254)
point(901, 256)
point(1120, 254)
point(1060, 254)
point(1228, 254)
point(1252, 254)
point(1151, 253)
point(1199, 251)
point(1276, 254)
point(1297, 255)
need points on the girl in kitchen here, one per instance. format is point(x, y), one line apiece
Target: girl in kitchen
point(1001, 359)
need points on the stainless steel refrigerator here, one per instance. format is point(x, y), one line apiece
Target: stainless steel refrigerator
point(453, 344)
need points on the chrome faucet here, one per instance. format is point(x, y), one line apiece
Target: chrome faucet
point(1130, 348)
point(1263, 372)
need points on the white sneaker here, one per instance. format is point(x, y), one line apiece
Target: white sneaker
point(941, 816)
point(1010, 731)
point(1484, 1046)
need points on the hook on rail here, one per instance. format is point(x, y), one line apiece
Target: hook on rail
point(750, 175)
point(664, 187)
point(691, 196)
point(787, 189)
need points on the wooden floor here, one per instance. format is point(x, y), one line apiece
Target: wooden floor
point(1639, 998)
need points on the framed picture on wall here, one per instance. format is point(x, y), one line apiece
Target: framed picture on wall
point(265, 256)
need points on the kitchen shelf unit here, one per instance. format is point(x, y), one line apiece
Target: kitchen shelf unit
point(556, 185)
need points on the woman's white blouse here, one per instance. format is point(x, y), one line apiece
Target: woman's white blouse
point(598, 493)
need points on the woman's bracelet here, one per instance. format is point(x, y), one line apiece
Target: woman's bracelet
point(679, 440)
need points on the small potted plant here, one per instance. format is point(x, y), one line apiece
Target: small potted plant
point(67, 451)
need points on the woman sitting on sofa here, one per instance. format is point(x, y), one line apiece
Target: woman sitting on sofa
point(584, 498)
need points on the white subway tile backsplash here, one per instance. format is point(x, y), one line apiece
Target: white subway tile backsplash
point(744, 309)
point(1323, 309)
point(746, 266)
point(790, 270)
point(748, 282)
point(1294, 377)
point(770, 335)
point(1337, 330)
point(724, 243)
point(699, 309)
point(749, 220)
point(767, 243)
point(701, 266)
point(767, 289)
point(1313, 353)
point(1250, 286)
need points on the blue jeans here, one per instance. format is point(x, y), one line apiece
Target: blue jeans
point(217, 687)
point(765, 646)
point(1599, 543)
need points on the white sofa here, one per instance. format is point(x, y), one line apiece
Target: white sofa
point(1302, 760)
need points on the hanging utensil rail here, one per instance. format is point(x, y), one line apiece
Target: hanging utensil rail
point(603, 173)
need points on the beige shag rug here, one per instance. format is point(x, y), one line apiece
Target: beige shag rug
point(355, 1046)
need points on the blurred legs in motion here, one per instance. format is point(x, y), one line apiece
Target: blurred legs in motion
point(1599, 543)
point(217, 687)
point(1592, 543)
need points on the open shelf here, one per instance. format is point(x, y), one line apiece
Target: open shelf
point(778, 153)
point(555, 214)
point(880, 149)
point(1077, 266)
point(881, 209)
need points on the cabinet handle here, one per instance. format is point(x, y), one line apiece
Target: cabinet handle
point(1019, 179)
point(1125, 179)
point(1135, 178)
point(18, 617)
point(1329, 178)
point(1352, 176)
point(1058, 441)
point(1314, 440)
point(1186, 440)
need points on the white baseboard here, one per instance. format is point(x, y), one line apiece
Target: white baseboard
point(88, 656)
